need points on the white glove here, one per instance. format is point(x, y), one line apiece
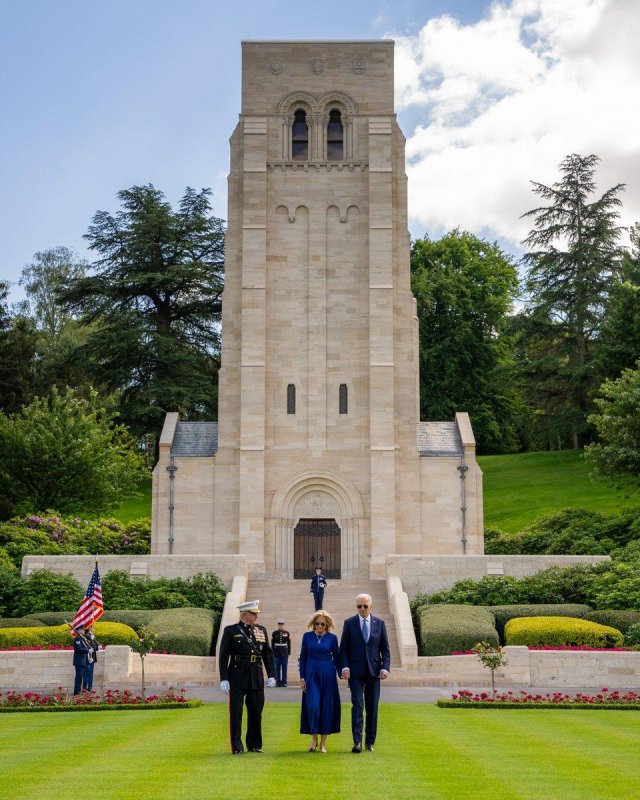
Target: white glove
point(224, 685)
point(271, 683)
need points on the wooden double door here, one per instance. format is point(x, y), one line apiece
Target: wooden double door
point(316, 543)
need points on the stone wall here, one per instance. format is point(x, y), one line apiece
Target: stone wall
point(143, 566)
point(433, 573)
point(117, 667)
point(537, 668)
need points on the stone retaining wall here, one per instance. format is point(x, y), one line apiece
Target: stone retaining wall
point(548, 668)
point(117, 667)
point(433, 573)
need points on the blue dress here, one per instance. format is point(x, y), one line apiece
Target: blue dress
point(319, 662)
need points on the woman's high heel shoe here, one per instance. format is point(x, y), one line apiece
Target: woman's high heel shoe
point(313, 745)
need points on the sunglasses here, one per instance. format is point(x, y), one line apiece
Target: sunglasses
point(363, 606)
point(320, 624)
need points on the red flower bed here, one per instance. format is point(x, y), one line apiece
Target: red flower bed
point(112, 697)
point(603, 698)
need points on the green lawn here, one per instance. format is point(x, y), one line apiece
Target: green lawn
point(136, 507)
point(519, 488)
point(422, 752)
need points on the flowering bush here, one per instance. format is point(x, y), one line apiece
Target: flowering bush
point(112, 698)
point(605, 698)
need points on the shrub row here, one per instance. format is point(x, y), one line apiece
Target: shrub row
point(52, 534)
point(45, 591)
point(446, 628)
point(184, 631)
point(505, 613)
point(606, 585)
point(561, 631)
point(570, 531)
point(106, 633)
point(622, 620)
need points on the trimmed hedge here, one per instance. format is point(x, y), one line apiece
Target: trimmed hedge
point(447, 628)
point(504, 613)
point(184, 631)
point(560, 631)
point(187, 631)
point(620, 619)
point(106, 633)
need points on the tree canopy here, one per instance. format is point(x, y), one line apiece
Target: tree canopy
point(465, 288)
point(153, 303)
point(64, 452)
point(572, 262)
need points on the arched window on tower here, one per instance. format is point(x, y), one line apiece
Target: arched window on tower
point(335, 136)
point(300, 137)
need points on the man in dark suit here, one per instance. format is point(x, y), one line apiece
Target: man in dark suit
point(366, 660)
point(243, 651)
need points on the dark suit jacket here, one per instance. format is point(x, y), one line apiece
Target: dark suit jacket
point(243, 673)
point(357, 655)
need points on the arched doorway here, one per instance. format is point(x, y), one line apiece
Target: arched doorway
point(325, 499)
point(316, 543)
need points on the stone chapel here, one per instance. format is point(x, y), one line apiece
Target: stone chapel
point(318, 455)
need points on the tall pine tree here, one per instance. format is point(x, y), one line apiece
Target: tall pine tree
point(573, 257)
point(153, 304)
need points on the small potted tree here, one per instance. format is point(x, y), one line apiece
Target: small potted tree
point(491, 657)
point(145, 644)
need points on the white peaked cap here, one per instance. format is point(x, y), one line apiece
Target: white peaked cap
point(251, 605)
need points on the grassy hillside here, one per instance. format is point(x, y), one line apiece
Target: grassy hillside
point(136, 507)
point(519, 488)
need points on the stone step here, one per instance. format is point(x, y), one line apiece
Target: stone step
point(293, 601)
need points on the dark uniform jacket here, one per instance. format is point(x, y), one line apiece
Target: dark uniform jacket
point(281, 643)
point(242, 654)
point(318, 583)
point(80, 652)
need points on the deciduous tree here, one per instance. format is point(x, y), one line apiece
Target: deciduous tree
point(465, 288)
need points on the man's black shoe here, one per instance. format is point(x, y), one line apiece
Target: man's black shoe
point(238, 752)
point(357, 748)
point(370, 748)
point(256, 750)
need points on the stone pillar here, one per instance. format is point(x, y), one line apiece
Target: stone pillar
point(252, 360)
point(381, 345)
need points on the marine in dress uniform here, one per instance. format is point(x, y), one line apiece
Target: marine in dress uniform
point(243, 652)
point(318, 585)
point(281, 646)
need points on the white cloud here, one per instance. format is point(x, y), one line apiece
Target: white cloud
point(502, 101)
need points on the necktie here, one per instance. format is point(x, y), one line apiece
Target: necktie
point(365, 629)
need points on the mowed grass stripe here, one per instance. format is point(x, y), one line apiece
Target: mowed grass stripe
point(422, 751)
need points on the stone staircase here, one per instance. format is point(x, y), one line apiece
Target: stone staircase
point(292, 601)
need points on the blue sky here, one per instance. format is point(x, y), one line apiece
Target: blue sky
point(96, 97)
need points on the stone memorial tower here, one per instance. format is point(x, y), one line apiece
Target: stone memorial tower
point(318, 455)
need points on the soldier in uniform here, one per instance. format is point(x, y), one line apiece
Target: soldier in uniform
point(243, 651)
point(281, 646)
point(318, 585)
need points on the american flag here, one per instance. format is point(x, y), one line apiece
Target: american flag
point(92, 607)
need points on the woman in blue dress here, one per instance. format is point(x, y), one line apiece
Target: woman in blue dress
point(319, 669)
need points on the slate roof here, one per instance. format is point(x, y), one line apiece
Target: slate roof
point(197, 439)
point(439, 439)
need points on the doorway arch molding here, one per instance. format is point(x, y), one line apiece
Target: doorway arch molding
point(341, 495)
